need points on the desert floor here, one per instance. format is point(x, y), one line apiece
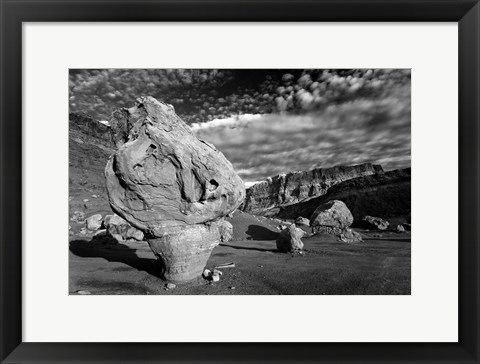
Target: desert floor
point(379, 265)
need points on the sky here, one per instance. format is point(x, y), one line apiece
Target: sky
point(376, 131)
point(269, 122)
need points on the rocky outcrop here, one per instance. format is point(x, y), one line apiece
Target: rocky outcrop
point(289, 240)
point(266, 197)
point(384, 194)
point(171, 185)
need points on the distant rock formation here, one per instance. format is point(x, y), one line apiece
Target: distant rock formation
point(90, 145)
point(384, 194)
point(266, 197)
point(171, 185)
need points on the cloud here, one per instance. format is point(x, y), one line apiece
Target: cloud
point(376, 131)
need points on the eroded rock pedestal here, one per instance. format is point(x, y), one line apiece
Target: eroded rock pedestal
point(171, 185)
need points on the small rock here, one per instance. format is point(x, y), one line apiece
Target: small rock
point(94, 196)
point(170, 286)
point(94, 222)
point(232, 288)
point(83, 292)
point(375, 222)
point(215, 277)
point(207, 273)
point(290, 239)
point(85, 200)
point(78, 216)
point(400, 229)
point(217, 272)
point(83, 231)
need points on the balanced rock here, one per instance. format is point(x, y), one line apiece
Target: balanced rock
point(171, 185)
point(94, 222)
point(375, 223)
point(302, 221)
point(333, 214)
point(289, 239)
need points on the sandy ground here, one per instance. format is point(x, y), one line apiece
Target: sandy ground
point(379, 265)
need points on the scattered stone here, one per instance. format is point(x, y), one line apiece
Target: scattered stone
point(85, 200)
point(206, 273)
point(120, 229)
point(94, 196)
point(332, 214)
point(375, 223)
point(94, 222)
point(78, 216)
point(218, 272)
point(400, 229)
point(289, 239)
point(170, 286)
point(83, 292)
point(302, 221)
point(350, 236)
point(232, 288)
point(215, 277)
point(171, 185)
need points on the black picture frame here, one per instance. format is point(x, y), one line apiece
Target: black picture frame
point(14, 12)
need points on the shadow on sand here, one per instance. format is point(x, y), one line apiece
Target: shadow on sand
point(257, 232)
point(119, 252)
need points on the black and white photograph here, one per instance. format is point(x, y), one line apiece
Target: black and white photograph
point(239, 181)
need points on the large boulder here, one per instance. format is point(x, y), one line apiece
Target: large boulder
point(171, 185)
point(289, 239)
point(333, 214)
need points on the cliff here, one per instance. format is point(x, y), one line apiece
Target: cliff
point(90, 145)
point(266, 197)
point(384, 195)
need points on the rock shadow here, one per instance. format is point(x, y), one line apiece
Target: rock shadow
point(119, 253)
point(274, 250)
point(257, 232)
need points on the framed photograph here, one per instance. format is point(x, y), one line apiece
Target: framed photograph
point(239, 181)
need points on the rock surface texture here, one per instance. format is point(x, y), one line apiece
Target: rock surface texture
point(171, 185)
point(267, 196)
point(289, 240)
